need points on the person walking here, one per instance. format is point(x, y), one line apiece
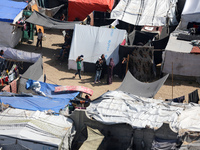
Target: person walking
point(110, 71)
point(39, 39)
point(78, 61)
point(99, 64)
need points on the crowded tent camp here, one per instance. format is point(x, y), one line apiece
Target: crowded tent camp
point(99, 74)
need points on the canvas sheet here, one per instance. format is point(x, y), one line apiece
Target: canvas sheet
point(92, 42)
point(148, 12)
point(184, 64)
point(10, 9)
point(37, 127)
point(131, 85)
point(35, 71)
point(50, 11)
point(28, 102)
point(190, 13)
point(20, 55)
point(118, 107)
point(45, 21)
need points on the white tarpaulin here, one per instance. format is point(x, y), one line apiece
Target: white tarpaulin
point(20, 55)
point(190, 13)
point(116, 107)
point(10, 35)
point(145, 12)
point(36, 127)
point(178, 52)
point(92, 42)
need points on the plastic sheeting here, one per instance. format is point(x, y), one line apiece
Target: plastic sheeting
point(10, 9)
point(131, 85)
point(191, 12)
point(82, 8)
point(92, 42)
point(38, 102)
point(20, 55)
point(118, 107)
point(35, 130)
point(45, 21)
point(148, 12)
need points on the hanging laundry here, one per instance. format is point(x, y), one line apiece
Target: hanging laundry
point(11, 77)
point(177, 100)
point(6, 88)
point(193, 97)
point(13, 85)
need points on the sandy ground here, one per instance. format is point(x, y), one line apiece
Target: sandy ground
point(58, 73)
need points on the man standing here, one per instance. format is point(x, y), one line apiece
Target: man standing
point(39, 39)
point(104, 67)
point(99, 63)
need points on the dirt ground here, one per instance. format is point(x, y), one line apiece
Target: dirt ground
point(57, 72)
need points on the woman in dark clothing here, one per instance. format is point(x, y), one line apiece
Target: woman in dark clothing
point(110, 71)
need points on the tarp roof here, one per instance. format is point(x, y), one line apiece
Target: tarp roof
point(52, 101)
point(191, 12)
point(45, 21)
point(10, 9)
point(131, 85)
point(148, 12)
point(82, 8)
point(37, 127)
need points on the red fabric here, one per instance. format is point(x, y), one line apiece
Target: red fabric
point(13, 85)
point(82, 8)
point(6, 88)
point(123, 42)
point(74, 88)
point(195, 50)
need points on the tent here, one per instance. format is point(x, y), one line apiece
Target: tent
point(92, 42)
point(35, 130)
point(43, 20)
point(179, 53)
point(148, 12)
point(82, 8)
point(191, 12)
point(10, 12)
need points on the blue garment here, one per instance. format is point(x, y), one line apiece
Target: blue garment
point(98, 75)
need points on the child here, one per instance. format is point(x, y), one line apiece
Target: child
point(78, 61)
point(39, 39)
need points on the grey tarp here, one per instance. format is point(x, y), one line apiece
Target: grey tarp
point(34, 72)
point(45, 21)
point(131, 85)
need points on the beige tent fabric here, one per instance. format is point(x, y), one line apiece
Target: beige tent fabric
point(93, 141)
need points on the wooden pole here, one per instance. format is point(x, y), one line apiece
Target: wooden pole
point(127, 63)
point(172, 81)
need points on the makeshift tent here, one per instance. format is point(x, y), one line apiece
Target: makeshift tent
point(82, 8)
point(133, 86)
point(117, 136)
point(191, 12)
point(43, 20)
point(10, 12)
point(148, 12)
point(35, 130)
point(178, 53)
point(41, 103)
point(92, 42)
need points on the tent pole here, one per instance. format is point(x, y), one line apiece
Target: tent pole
point(172, 80)
point(127, 63)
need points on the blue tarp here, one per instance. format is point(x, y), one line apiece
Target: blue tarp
point(9, 9)
point(52, 101)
